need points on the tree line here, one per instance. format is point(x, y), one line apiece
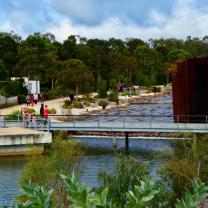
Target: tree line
point(84, 65)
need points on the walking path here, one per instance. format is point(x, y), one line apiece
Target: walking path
point(50, 103)
point(15, 131)
point(57, 103)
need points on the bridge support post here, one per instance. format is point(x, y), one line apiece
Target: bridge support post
point(48, 120)
point(53, 134)
point(114, 142)
point(126, 141)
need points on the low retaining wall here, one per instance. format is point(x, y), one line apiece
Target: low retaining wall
point(19, 141)
point(4, 100)
point(7, 140)
point(21, 150)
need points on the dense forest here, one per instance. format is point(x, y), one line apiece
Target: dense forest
point(90, 64)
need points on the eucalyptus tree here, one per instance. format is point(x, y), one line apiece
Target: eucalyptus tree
point(4, 74)
point(34, 55)
point(75, 75)
point(8, 50)
point(149, 65)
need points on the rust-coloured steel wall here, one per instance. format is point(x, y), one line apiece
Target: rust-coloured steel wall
point(190, 91)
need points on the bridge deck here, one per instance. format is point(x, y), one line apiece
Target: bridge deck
point(130, 127)
point(114, 126)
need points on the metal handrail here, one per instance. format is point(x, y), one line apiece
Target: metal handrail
point(121, 124)
point(116, 115)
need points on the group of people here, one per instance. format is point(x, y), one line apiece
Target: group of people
point(31, 118)
point(121, 87)
point(27, 118)
point(32, 99)
point(44, 111)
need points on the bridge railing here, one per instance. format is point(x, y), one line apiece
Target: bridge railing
point(25, 121)
point(105, 121)
point(129, 121)
point(135, 117)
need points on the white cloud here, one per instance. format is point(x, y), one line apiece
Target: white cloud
point(79, 9)
point(157, 18)
point(184, 20)
point(8, 27)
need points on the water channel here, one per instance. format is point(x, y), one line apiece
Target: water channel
point(10, 168)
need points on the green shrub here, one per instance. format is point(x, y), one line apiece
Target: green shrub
point(14, 88)
point(144, 193)
point(124, 94)
point(52, 94)
point(52, 111)
point(113, 97)
point(86, 103)
point(103, 103)
point(77, 105)
point(196, 199)
point(134, 93)
point(102, 90)
point(96, 97)
point(30, 110)
point(128, 172)
point(63, 158)
point(35, 196)
point(156, 89)
point(113, 85)
point(188, 162)
point(67, 104)
point(6, 105)
point(13, 115)
point(88, 98)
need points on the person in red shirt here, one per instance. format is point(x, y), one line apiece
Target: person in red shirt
point(45, 112)
point(31, 99)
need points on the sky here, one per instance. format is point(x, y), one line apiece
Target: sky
point(104, 19)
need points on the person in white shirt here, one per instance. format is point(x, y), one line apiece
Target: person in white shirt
point(35, 98)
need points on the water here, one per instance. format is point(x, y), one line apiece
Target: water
point(93, 164)
point(10, 168)
point(160, 111)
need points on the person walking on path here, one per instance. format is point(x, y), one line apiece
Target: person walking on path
point(32, 99)
point(35, 98)
point(71, 97)
point(41, 110)
point(28, 100)
point(26, 119)
point(45, 112)
point(33, 119)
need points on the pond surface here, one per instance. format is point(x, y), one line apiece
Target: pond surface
point(10, 168)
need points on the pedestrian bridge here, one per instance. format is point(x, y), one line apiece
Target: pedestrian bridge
point(108, 123)
point(125, 125)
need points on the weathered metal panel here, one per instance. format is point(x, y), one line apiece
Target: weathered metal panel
point(190, 90)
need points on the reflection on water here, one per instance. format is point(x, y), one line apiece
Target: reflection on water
point(93, 164)
point(10, 168)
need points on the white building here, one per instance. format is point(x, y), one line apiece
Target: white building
point(33, 86)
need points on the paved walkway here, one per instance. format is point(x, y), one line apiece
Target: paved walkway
point(50, 103)
point(18, 131)
point(56, 104)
